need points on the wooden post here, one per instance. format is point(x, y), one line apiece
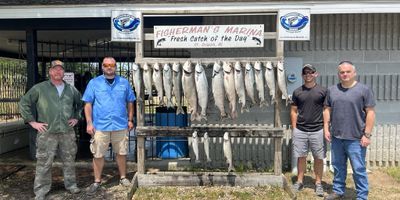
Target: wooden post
point(140, 155)
point(140, 104)
point(278, 156)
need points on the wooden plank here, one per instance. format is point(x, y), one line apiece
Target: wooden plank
point(140, 154)
point(392, 145)
point(388, 87)
point(393, 89)
point(379, 147)
point(372, 147)
point(385, 145)
point(134, 187)
point(262, 150)
point(397, 159)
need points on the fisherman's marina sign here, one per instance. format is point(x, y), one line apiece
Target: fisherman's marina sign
point(209, 36)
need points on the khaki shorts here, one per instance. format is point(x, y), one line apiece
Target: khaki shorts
point(101, 140)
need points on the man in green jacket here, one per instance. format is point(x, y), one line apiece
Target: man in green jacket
point(57, 106)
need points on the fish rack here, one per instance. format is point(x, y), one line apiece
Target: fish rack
point(262, 131)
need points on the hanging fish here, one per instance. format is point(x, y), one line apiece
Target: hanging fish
point(137, 81)
point(282, 81)
point(218, 89)
point(239, 86)
point(177, 87)
point(148, 79)
point(229, 85)
point(270, 78)
point(227, 148)
point(195, 146)
point(167, 82)
point(189, 90)
point(249, 82)
point(206, 143)
point(259, 79)
point(202, 89)
point(158, 82)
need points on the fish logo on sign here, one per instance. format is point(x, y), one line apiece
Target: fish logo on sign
point(126, 23)
point(294, 21)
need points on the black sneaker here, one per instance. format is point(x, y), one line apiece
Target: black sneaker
point(93, 188)
point(298, 186)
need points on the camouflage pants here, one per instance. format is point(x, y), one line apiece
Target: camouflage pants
point(47, 145)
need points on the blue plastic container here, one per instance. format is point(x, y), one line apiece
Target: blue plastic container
point(171, 147)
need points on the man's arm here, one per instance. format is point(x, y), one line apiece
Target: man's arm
point(370, 119)
point(327, 120)
point(88, 115)
point(130, 115)
point(293, 116)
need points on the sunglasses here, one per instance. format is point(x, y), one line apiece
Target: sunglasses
point(308, 72)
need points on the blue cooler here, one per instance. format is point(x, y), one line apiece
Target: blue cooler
point(171, 147)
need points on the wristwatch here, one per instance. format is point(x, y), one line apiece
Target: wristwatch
point(367, 135)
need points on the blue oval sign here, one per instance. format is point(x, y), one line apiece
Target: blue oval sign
point(294, 21)
point(126, 23)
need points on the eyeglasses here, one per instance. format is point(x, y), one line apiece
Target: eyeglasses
point(109, 65)
point(308, 72)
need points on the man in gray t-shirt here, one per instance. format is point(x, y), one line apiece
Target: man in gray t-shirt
point(349, 117)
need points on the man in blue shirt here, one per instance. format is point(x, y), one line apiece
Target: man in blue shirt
point(109, 115)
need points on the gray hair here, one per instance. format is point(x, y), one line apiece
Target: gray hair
point(346, 62)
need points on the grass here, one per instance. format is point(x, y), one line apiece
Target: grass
point(393, 172)
point(211, 193)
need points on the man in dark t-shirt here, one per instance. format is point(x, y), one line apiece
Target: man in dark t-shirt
point(307, 123)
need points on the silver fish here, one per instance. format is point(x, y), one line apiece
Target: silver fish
point(282, 81)
point(239, 86)
point(195, 146)
point(218, 89)
point(206, 143)
point(202, 89)
point(229, 85)
point(137, 81)
point(189, 90)
point(167, 82)
point(270, 78)
point(177, 87)
point(227, 148)
point(249, 82)
point(148, 79)
point(158, 82)
point(259, 78)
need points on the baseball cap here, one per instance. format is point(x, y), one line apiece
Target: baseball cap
point(309, 66)
point(55, 63)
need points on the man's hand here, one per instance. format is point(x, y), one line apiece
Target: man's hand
point(327, 135)
point(72, 122)
point(40, 127)
point(90, 129)
point(130, 125)
point(365, 141)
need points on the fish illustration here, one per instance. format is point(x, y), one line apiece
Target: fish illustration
point(257, 40)
point(160, 41)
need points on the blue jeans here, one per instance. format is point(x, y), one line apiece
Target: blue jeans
point(352, 149)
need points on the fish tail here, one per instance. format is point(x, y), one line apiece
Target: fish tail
point(179, 110)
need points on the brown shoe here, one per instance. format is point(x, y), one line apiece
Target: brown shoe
point(333, 196)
